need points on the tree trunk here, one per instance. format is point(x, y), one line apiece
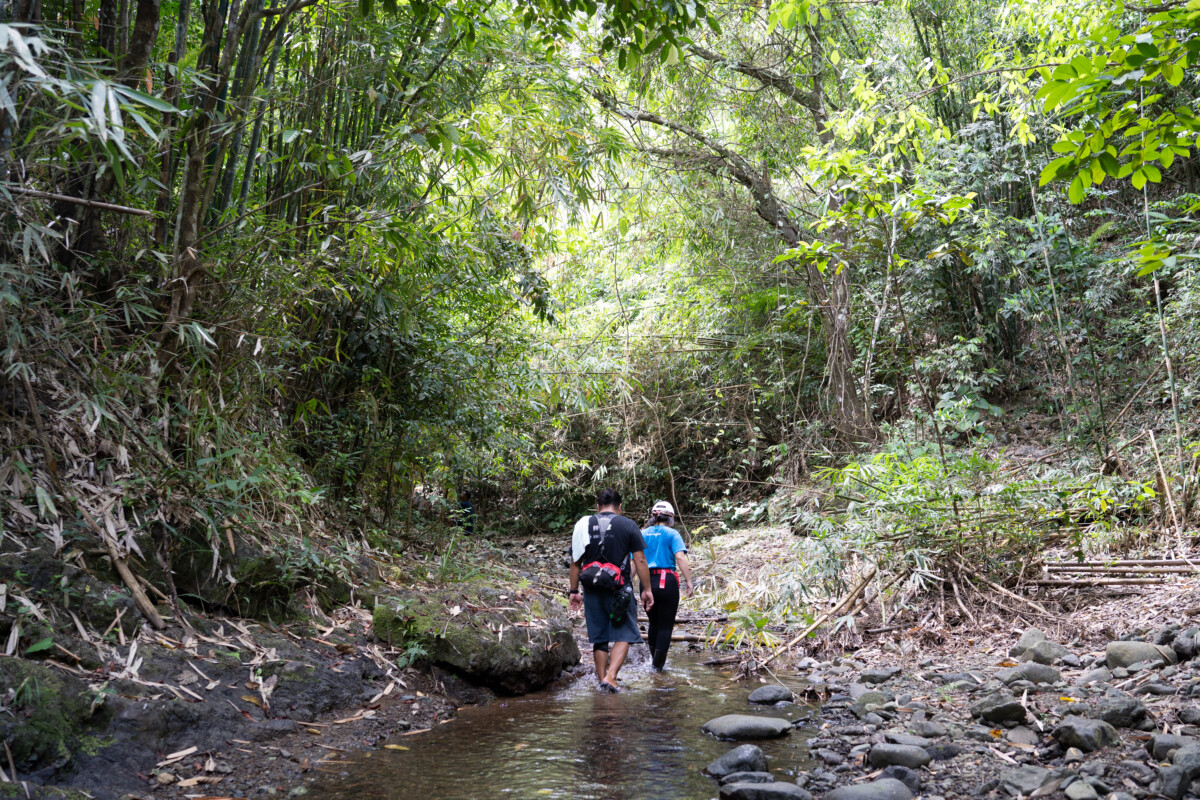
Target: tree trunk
point(141, 44)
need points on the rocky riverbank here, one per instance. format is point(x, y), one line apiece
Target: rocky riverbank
point(1119, 722)
point(94, 704)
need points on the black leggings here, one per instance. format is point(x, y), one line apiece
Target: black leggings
point(665, 587)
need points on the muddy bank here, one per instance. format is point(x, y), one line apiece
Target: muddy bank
point(93, 702)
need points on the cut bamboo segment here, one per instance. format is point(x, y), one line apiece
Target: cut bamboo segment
point(1101, 582)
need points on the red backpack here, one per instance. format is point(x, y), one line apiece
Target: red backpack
point(601, 575)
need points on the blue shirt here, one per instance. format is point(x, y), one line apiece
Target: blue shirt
point(662, 543)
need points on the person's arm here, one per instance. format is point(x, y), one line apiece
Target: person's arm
point(682, 560)
point(575, 597)
point(643, 573)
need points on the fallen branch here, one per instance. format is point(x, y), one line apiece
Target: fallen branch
point(1002, 590)
point(79, 201)
point(844, 603)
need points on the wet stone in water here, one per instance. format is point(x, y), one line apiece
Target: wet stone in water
point(771, 694)
point(743, 758)
point(882, 789)
point(744, 726)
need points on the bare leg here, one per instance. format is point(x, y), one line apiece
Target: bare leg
point(619, 651)
point(600, 657)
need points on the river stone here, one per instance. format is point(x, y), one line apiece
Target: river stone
point(1097, 675)
point(928, 729)
point(1120, 711)
point(743, 758)
point(904, 755)
point(1080, 790)
point(879, 675)
point(770, 694)
point(1175, 779)
point(1046, 652)
point(882, 789)
point(1161, 744)
point(908, 739)
point(1086, 734)
point(1029, 671)
point(1126, 654)
point(744, 726)
point(872, 698)
point(999, 707)
point(748, 777)
point(1190, 715)
point(1023, 735)
point(909, 777)
point(944, 751)
point(1024, 780)
point(1028, 639)
point(777, 790)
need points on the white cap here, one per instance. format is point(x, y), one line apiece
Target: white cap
point(663, 507)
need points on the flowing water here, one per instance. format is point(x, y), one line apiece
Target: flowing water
point(575, 743)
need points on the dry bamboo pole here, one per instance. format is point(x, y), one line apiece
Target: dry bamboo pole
point(863, 603)
point(846, 601)
point(962, 606)
point(1127, 571)
point(1102, 582)
point(1125, 562)
point(1167, 491)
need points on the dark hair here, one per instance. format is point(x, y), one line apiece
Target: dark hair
point(608, 497)
point(660, 519)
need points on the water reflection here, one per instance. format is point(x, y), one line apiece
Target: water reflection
point(642, 744)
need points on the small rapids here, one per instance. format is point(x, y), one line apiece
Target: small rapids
point(575, 743)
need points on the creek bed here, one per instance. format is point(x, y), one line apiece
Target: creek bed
point(575, 743)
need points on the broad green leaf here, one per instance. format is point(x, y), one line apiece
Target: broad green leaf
point(1075, 191)
point(37, 647)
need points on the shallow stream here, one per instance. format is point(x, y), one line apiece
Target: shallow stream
point(575, 743)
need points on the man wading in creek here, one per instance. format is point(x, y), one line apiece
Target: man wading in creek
point(602, 547)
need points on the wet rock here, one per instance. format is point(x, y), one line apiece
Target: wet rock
point(999, 707)
point(879, 675)
point(1126, 654)
point(1024, 780)
point(909, 777)
point(770, 694)
point(743, 758)
point(1029, 671)
point(777, 790)
point(1086, 734)
point(885, 755)
point(744, 726)
point(881, 789)
point(830, 758)
point(748, 777)
point(1120, 711)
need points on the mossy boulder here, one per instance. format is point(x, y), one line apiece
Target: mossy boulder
point(511, 645)
point(51, 711)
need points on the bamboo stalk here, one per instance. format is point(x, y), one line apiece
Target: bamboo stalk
point(79, 201)
point(1166, 481)
point(846, 601)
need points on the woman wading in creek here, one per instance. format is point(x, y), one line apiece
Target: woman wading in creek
point(666, 555)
